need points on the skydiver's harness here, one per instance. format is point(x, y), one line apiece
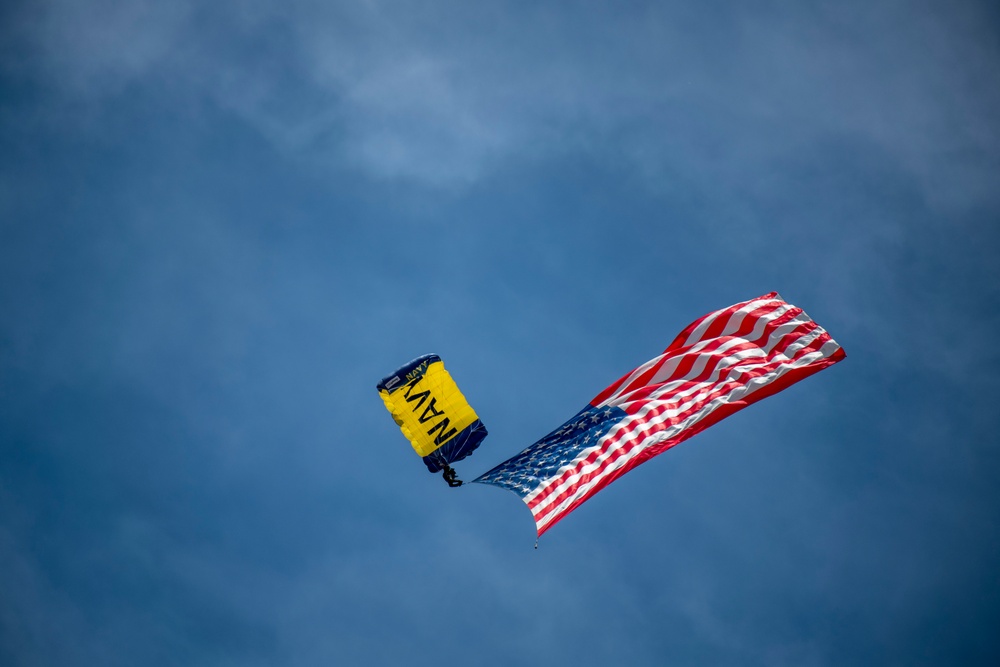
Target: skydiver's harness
point(449, 475)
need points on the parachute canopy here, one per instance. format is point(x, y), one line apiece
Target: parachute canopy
point(432, 413)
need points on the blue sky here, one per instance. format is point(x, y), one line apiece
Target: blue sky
point(221, 225)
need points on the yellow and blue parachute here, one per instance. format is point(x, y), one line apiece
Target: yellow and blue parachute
point(432, 413)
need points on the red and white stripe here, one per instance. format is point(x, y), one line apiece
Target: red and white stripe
point(718, 365)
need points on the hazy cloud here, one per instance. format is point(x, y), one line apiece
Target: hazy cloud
point(441, 94)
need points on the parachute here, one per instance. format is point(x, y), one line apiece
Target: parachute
point(433, 414)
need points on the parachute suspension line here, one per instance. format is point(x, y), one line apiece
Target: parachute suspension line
point(450, 476)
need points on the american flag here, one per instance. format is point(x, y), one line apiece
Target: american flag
point(719, 364)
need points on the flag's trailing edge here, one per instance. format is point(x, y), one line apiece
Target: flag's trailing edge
point(718, 365)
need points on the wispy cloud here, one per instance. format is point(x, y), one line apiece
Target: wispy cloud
point(441, 94)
